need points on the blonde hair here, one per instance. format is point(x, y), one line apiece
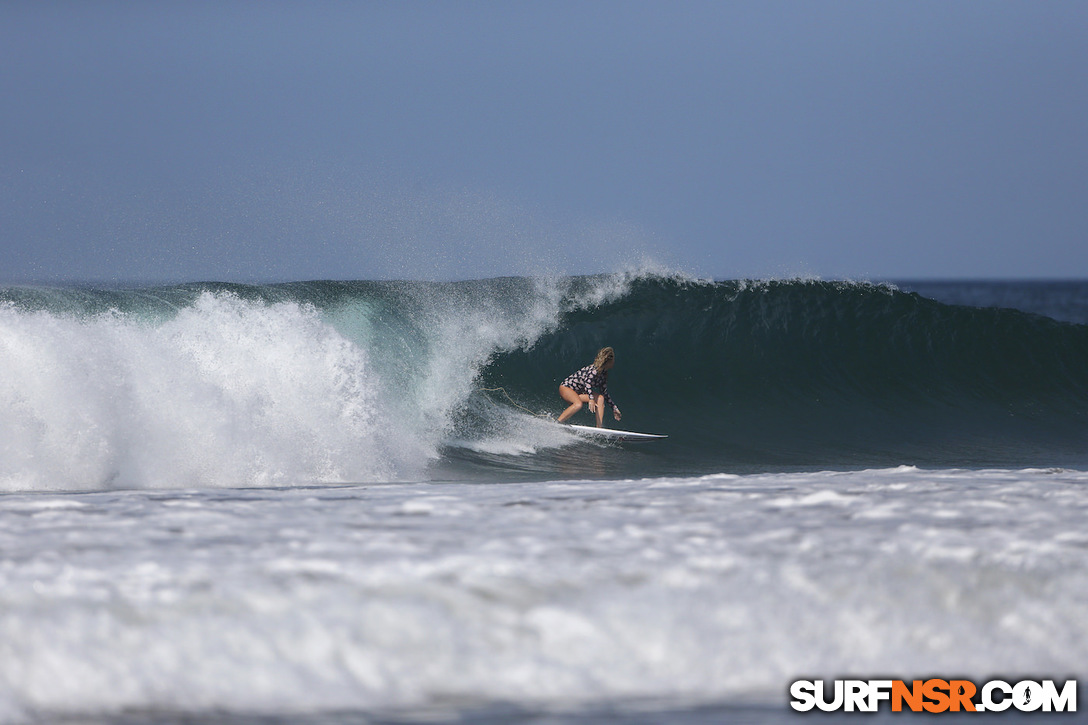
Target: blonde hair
point(604, 356)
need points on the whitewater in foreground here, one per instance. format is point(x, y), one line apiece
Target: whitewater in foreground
point(344, 502)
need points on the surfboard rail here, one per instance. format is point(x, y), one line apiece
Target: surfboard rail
point(613, 434)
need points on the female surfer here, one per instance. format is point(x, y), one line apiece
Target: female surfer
point(578, 388)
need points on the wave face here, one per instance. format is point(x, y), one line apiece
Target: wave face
point(829, 374)
point(214, 384)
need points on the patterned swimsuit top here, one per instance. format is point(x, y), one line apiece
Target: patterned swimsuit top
point(588, 378)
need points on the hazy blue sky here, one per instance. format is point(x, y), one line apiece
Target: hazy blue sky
point(264, 141)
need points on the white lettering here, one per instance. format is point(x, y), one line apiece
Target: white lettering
point(804, 698)
point(879, 690)
point(995, 695)
point(822, 703)
point(1027, 696)
point(857, 695)
point(987, 695)
point(1065, 701)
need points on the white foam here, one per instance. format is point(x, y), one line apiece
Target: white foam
point(231, 392)
point(226, 393)
point(551, 594)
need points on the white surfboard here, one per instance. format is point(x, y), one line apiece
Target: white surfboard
point(617, 435)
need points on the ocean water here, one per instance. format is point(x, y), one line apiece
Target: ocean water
point(346, 502)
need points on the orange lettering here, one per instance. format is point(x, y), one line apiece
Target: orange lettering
point(932, 689)
point(901, 692)
point(961, 692)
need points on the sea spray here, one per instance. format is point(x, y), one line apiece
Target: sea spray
point(241, 385)
point(225, 392)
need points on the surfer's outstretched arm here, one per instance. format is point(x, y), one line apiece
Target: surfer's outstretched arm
point(599, 404)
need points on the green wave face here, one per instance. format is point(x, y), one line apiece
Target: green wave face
point(825, 374)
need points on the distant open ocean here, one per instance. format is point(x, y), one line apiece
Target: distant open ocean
point(347, 502)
